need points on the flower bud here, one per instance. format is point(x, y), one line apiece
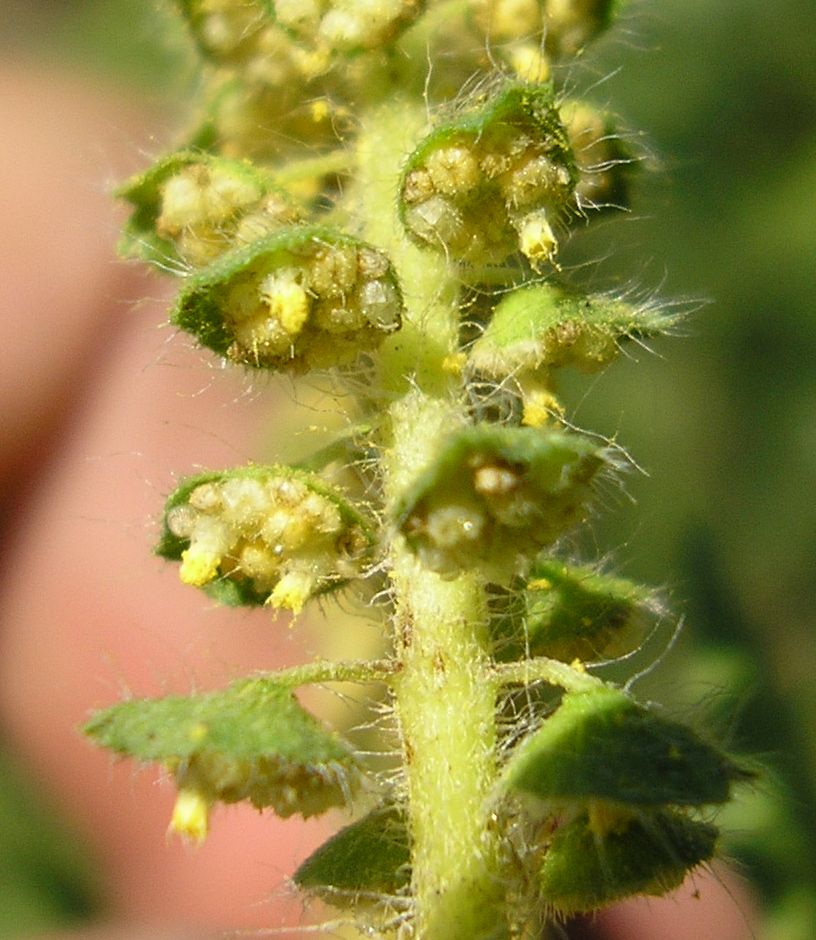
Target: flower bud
point(539, 328)
point(368, 858)
point(571, 612)
point(601, 745)
point(603, 160)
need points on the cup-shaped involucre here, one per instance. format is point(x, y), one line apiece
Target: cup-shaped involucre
point(495, 496)
point(571, 612)
point(190, 208)
point(588, 866)
point(252, 741)
point(496, 180)
point(304, 298)
point(258, 535)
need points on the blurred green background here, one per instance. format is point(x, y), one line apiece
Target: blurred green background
point(723, 418)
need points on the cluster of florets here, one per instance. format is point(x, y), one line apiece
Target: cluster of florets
point(304, 298)
point(492, 182)
point(495, 496)
point(566, 25)
point(263, 535)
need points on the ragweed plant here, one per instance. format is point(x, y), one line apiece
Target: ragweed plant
point(377, 190)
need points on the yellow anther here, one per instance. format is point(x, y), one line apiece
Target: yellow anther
point(289, 304)
point(536, 238)
point(197, 567)
point(191, 815)
point(292, 591)
point(455, 363)
point(529, 63)
point(539, 409)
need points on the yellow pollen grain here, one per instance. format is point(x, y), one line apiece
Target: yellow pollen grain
point(539, 584)
point(289, 305)
point(536, 239)
point(198, 568)
point(455, 363)
point(320, 110)
point(539, 409)
point(191, 816)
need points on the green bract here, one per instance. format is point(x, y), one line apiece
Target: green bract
point(493, 181)
point(250, 742)
point(263, 534)
point(571, 612)
point(602, 745)
point(192, 207)
point(494, 496)
point(546, 326)
point(370, 858)
point(304, 298)
point(650, 853)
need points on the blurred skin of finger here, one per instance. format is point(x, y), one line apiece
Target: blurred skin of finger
point(100, 406)
point(713, 905)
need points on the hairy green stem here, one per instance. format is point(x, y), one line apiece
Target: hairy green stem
point(374, 670)
point(546, 670)
point(444, 698)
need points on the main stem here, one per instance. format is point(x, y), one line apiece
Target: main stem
point(444, 693)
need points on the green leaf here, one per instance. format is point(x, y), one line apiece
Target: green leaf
point(370, 856)
point(602, 745)
point(252, 741)
point(650, 853)
point(191, 207)
point(264, 534)
point(494, 496)
point(493, 181)
point(570, 612)
point(546, 326)
point(305, 298)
